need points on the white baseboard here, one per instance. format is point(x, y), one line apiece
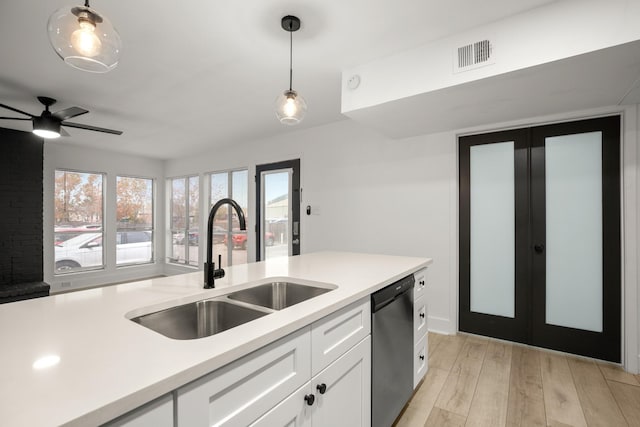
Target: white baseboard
point(440, 325)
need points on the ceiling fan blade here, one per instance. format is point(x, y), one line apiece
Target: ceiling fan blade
point(69, 113)
point(14, 118)
point(64, 132)
point(16, 110)
point(94, 128)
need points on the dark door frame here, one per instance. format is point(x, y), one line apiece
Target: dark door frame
point(293, 164)
point(529, 325)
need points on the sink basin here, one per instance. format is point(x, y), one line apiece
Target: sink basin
point(277, 295)
point(198, 319)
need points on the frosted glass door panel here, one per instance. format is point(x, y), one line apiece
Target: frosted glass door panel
point(573, 180)
point(492, 237)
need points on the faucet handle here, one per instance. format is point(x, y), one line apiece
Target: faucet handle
point(218, 273)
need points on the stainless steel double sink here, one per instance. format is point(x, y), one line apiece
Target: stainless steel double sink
point(214, 315)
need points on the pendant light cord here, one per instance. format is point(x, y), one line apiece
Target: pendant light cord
point(291, 56)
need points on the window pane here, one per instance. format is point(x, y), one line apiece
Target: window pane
point(134, 214)
point(194, 198)
point(276, 190)
point(240, 193)
point(178, 203)
point(226, 226)
point(178, 247)
point(219, 186)
point(78, 220)
point(193, 209)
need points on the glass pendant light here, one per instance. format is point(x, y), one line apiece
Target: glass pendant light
point(290, 106)
point(84, 38)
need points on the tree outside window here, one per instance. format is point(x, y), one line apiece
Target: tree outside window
point(134, 216)
point(78, 221)
point(184, 219)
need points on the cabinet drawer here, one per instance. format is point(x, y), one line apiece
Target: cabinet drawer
point(419, 319)
point(241, 392)
point(420, 360)
point(421, 283)
point(338, 332)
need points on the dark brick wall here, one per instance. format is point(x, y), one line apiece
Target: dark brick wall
point(21, 158)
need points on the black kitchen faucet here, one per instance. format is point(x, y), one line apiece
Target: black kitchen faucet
point(210, 271)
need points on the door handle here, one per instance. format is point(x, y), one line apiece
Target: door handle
point(539, 248)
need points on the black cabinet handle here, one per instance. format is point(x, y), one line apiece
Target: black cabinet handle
point(422, 315)
point(421, 282)
point(421, 357)
point(322, 388)
point(309, 398)
point(539, 248)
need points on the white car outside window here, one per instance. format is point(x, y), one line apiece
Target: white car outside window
point(85, 251)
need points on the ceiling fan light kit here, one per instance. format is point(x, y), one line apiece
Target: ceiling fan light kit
point(49, 125)
point(46, 128)
point(290, 106)
point(84, 38)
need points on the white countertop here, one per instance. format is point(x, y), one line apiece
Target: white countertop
point(110, 365)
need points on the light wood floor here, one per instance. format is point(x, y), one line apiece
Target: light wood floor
point(476, 381)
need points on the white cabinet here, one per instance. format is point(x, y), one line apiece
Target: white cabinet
point(333, 335)
point(340, 395)
point(291, 412)
point(240, 392)
point(420, 338)
point(421, 283)
point(343, 390)
point(329, 360)
point(158, 413)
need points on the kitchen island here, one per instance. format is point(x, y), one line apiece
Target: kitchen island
point(104, 365)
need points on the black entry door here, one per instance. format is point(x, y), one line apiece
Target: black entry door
point(540, 253)
point(278, 209)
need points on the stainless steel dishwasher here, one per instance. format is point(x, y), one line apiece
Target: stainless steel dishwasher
point(391, 351)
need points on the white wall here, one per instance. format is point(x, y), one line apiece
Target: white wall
point(57, 155)
point(369, 193)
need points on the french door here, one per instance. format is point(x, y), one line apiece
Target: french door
point(278, 209)
point(540, 257)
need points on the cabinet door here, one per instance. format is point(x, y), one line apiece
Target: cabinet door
point(420, 360)
point(346, 400)
point(421, 283)
point(158, 413)
point(419, 319)
point(338, 332)
point(291, 412)
point(241, 392)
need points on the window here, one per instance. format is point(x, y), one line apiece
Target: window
point(226, 227)
point(78, 222)
point(134, 214)
point(183, 226)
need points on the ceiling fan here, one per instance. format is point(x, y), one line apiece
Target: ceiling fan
point(48, 124)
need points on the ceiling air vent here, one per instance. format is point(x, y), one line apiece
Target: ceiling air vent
point(473, 55)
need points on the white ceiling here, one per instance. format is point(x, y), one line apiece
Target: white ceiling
point(197, 75)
